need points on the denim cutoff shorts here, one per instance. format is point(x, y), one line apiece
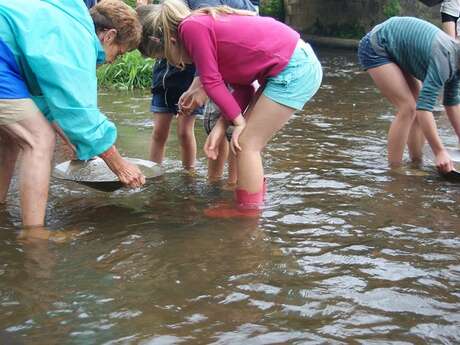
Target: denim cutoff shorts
point(297, 83)
point(368, 57)
point(169, 83)
point(166, 102)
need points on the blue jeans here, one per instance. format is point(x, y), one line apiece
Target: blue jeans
point(368, 57)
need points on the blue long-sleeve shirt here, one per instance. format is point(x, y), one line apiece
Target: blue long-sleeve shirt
point(239, 4)
point(425, 52)
point(89, 3)
point(56, 48)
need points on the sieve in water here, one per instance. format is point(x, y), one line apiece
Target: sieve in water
point(96, 174)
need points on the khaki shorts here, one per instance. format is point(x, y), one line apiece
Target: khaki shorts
point(15, 110)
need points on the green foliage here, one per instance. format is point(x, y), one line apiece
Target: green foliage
point(130, 71)
point(272, 8)
point(392, 8)
point(344, 30)
point(131, 3)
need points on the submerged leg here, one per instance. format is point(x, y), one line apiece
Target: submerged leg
point(160, 133)
point(36, 139)
point(8, 155)
point(186, 136)
point(393, 84)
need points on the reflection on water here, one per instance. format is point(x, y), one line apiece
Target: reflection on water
point(345, 252)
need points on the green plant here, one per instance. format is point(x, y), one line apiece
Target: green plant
point(272, 8)
point(392, 8)
point(130, 71)
point(131, 3)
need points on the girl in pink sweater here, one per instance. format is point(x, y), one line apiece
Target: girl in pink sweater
point(231, 47)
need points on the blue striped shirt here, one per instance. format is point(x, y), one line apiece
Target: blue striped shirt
point(425, 52)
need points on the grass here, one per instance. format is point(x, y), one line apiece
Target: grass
point(130, 71)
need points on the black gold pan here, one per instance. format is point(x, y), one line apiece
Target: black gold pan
point(452, 176)
point(96, 174)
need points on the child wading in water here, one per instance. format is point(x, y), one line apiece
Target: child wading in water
point(174, 93)
point(169, 83)
point(236, 48)
point(398, 54)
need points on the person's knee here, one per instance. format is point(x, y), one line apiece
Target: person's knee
point(47, 139)
point(250, 143)
point(159, 136)
point(408, 110)
point(42, 143)
point(185, 135)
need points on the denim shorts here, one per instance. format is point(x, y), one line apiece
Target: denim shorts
point(169, 83)
point(368, 57)
point(166, 102)
point(298, 81)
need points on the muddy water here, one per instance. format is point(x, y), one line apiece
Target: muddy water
point(346, 252)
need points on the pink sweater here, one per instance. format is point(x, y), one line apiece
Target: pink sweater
point(236, 50)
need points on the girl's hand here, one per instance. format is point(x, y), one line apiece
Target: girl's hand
point(444, 162)
point(193, 98)
point(211, 146)
point(240, 124)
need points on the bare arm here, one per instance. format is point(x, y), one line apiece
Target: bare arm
point(428, 125)
point(453, 113)
point(128, 173)
point(193, 98)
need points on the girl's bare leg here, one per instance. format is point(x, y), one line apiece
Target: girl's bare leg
point(265, 119)
point(216, 167)
point(392, 83)
point(186, 136)
point(160, 133)
point(416, 139)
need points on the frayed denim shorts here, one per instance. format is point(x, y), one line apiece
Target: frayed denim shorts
point(368, 57)
point(298, 81)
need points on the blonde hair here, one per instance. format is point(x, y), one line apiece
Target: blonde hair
point(115, 14)
point(160, 23)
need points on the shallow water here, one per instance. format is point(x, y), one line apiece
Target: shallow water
point(346, 252)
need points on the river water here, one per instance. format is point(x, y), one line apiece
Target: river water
point(346, 251)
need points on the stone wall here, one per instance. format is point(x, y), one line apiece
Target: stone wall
point(350, 18)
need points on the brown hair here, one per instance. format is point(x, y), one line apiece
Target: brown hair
point(115, 14)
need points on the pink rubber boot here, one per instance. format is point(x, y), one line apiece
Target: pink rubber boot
point(244, 199)
point(248, 205)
